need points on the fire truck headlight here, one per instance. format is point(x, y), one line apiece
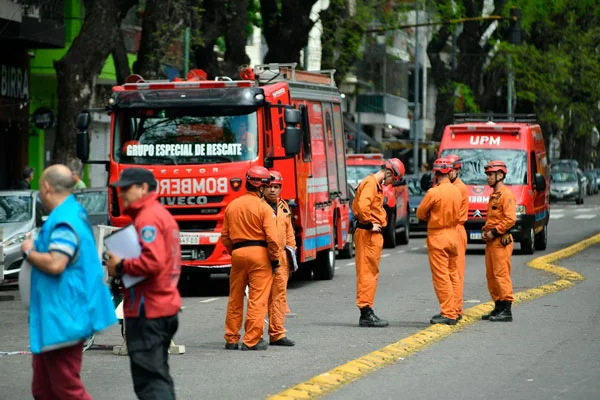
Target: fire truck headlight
point(521, 209)
point(259, 96)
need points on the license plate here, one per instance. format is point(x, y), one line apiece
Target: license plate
point(475, 235)
point(189, 238)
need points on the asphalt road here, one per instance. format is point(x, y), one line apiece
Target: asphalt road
point(552, 341)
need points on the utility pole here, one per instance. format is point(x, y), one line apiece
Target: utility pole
point(513, 38)
point(416, 111)
point(186, 51)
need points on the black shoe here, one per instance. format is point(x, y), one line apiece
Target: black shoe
point(283, 342)
point(495, 311)
point(459, 318)
point(442, 320)
point(505, 315)
point(369, 319)
point(231, 346)
point(261, 345)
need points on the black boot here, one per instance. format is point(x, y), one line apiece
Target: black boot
point(495, 311)
point(505, 315)
point(369, 319)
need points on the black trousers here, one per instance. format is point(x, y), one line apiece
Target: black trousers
point(148, 343)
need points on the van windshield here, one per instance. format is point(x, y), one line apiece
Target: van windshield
point(357, 173)
point(474, 161)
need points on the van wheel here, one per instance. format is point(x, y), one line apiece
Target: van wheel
point(389, 234)
point(541, 239)
point(324, 265)
point(348, 250)
point(404, 237)
point(528, 245)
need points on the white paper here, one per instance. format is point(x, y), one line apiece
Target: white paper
point(125, 244)
point(292, 257)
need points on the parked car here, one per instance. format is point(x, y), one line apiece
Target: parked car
point(566, 163)
point(416, 194)
point(20, 218)
point(566, 186)
point(358, 167)
point(348, 250)
point(592, 182)
point(95, 202)
point(584, 182)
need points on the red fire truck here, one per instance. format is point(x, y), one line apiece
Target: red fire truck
point(200, 136)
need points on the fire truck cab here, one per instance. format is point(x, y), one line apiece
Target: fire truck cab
point(395, 203)
point(199, 137)
point(518, 141)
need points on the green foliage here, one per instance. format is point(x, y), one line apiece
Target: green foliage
point(464, 101)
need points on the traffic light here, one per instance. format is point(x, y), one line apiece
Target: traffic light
point(514, 31)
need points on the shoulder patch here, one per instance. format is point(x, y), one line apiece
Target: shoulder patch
point(148, 233)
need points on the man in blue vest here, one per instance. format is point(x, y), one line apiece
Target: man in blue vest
point(68, 298)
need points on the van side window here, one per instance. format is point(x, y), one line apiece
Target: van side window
point(533, 166)
point(305, 126)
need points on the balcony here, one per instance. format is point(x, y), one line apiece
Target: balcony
point(383, 109)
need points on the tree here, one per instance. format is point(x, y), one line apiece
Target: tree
point(211, 26)
point(235, 37)
point(77, 71)
point(286, 25)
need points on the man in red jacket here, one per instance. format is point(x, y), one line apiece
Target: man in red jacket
point(151, 306)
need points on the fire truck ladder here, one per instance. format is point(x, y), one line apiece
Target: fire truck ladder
point(278, 72)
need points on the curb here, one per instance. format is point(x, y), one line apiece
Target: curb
point(332, 380)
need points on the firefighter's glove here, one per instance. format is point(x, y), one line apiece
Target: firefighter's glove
point(274, 266)
point(506, 239)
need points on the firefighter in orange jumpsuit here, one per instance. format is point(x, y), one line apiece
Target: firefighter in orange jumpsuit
point(278, 299)
point(371, 219)
point(461, 258)
point(441, 209)
point(250, 236)
point(501, 217)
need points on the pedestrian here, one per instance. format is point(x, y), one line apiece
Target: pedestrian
point(76, 167)
point(285, 230)
point(250, 236)
point(461, 258)
point(371, 219)
point(150, 307)
point(501, 217)
point(26, 179)
point(68, 301)
point(441, 209)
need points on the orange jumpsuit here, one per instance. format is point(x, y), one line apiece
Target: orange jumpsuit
point(501, 217)
point(249, 218)
point(441, 209)
point(461, 258)
point(277, 301)
point(368, 208)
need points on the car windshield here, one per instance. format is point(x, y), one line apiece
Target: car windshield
point(357, 173)
point(414, 186)
point(94, 202)
point(562, 177)
point(15, 208)
point(184, 136)
point(474, 161)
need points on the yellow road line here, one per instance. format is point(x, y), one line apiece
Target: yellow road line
point(332, 380)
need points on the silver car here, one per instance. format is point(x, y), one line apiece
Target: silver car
point(20, 217)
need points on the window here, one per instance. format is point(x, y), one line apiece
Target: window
point(475, 160)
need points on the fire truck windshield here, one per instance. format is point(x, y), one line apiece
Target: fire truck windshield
point(183, 136)
point(474, 161)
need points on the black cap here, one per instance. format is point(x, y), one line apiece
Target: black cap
point(135, 176)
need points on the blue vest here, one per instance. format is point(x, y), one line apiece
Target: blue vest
point(75, 304)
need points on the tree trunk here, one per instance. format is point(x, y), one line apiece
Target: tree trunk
point(121, 61)
point(77, 71)
point(286, 31)
point(235, 38)
point(212, 27)
point(164, 21)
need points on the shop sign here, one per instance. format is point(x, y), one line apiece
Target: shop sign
point(14, 82)
point(43, 118)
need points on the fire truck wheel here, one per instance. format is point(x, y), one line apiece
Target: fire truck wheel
point(389, 234)
point(541, 239)
point(324, 265)
point(304, 272)
point(528, 244)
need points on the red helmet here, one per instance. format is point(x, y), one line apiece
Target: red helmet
point(276, 178)
point(455, 160)
point(443, 165)
point(495, 166)
point(397, 168)
point(258, 176)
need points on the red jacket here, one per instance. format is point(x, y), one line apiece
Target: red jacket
point(160, 261)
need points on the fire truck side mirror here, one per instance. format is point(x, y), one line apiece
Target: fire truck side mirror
point(83, 141)
point(292, 139)
point(292, 116)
